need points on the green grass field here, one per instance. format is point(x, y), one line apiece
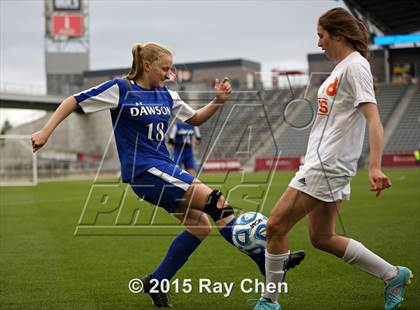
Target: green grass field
point(49, 261)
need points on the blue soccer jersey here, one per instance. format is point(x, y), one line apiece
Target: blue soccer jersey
point(181, 136)
point(140, 120)
point(182, 133)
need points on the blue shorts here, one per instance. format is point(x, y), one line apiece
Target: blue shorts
point(184, 156)
point(163, 186)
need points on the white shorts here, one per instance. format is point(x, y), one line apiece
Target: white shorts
point(321, 186)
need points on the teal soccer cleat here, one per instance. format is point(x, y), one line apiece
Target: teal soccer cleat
point(264, 304)
point(394, 291)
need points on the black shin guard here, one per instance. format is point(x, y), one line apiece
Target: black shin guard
point(211, 207)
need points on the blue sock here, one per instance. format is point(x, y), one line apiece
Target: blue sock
point(178, 252)
point(226, 231)
point(259, 259)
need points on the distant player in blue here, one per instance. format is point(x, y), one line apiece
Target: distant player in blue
point(184, 137)
point(140, 106)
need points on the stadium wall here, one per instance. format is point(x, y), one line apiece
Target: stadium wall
point(202, 73)
point(319, 63)
point(397, 57)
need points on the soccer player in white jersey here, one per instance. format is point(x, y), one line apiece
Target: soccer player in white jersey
point(346, 100)
point(140, 106)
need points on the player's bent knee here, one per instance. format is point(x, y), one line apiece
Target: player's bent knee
point(204, 226)
point(201, 232)
point(320, 242)
point(198, 224)
point(211, 207)
point(205, 230)
point(275, 227)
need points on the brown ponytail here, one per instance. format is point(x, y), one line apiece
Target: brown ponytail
point(137, 64)
point(150, 52)
point(339, 22)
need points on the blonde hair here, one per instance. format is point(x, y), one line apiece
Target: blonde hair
point(339, 22)
point(150, 51)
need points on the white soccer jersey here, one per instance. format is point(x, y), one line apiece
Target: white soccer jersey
point(336, 138)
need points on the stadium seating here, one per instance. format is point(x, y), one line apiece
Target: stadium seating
point(244, 127)
point(406, 137)
point(387, 96)
point(244, 124)
point(251, 124)
point(293, 140)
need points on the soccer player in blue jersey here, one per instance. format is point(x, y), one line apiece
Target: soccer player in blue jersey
point(140, 106)
point(184, 137)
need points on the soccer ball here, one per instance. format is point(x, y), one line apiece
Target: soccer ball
point(249, 232)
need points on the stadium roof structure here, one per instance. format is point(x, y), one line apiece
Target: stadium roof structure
point(190, 66)
point(390, 17)
point(16, 101)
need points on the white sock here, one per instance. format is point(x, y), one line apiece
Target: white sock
point(359, 256)
point(274, 274)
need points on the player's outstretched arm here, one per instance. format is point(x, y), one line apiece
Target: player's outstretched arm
point(378, 180)
point(223, 91)
point(39, 138)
